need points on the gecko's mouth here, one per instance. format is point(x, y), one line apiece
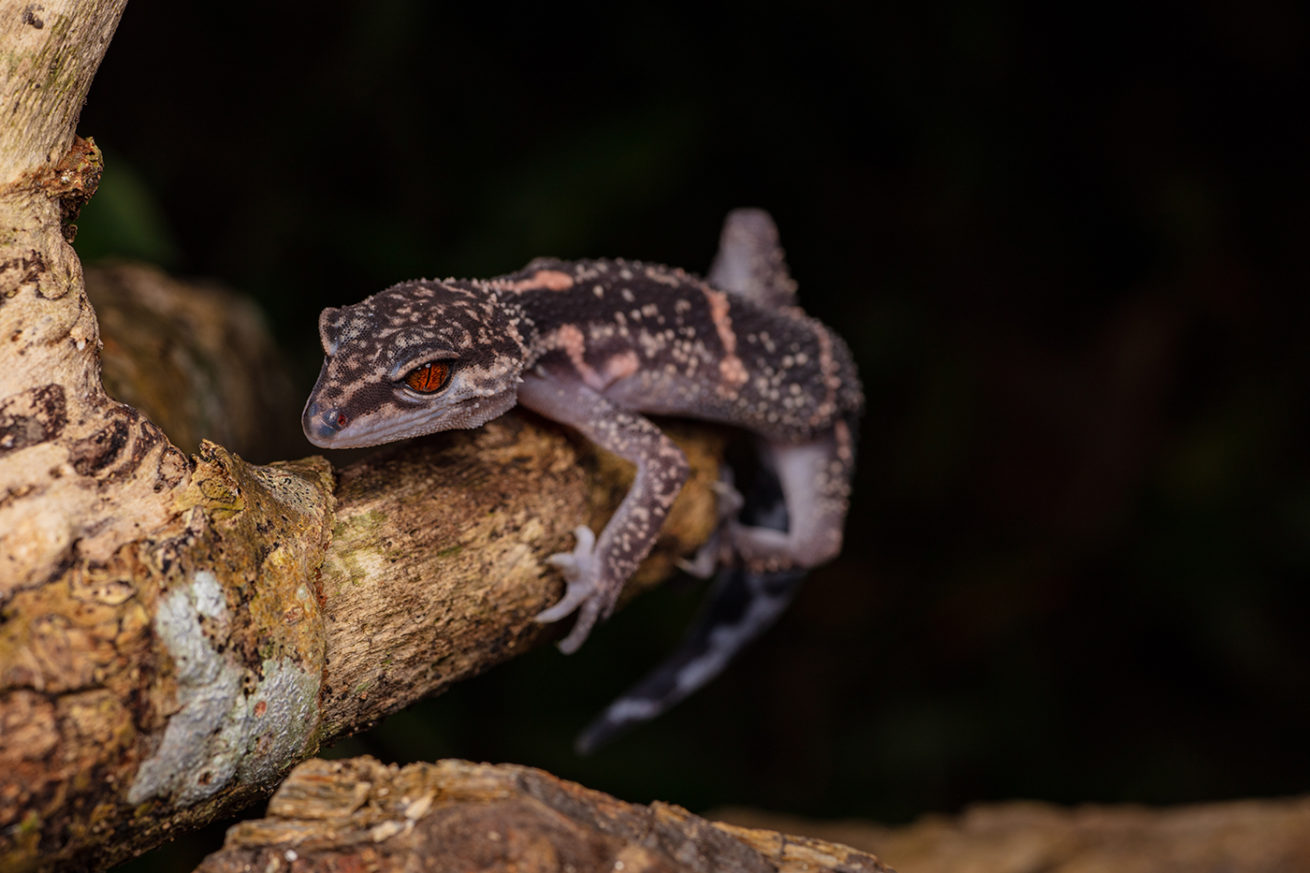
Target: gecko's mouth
point(334, 428)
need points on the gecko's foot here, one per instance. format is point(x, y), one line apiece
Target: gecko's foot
point(766, 550)
point(709, 556)
point(579, 570)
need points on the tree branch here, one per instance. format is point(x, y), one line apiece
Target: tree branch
point(52, 51)
point(458, 816)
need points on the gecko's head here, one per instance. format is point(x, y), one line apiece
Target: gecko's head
point(417, 358)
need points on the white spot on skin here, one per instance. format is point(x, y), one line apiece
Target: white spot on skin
point(673, 279)
point(632, 709)
point(732, 372)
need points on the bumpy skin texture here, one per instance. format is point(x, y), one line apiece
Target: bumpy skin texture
point(594, 344)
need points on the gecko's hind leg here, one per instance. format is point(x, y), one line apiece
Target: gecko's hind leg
point(791, 520)
point(815, 481)
point(741, 605)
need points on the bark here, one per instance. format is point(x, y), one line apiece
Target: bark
point(457, 816)
point(177, 631)
point(1254, 836)
point(358, 814)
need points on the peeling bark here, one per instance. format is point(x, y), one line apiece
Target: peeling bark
point(457, 816)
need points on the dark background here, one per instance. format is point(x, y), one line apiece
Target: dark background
point(1067, 248)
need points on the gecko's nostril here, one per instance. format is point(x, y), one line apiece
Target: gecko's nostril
point(324, 422)
point(334, 419)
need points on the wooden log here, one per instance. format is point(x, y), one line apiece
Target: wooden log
point(458, 816)
point(1254, 836)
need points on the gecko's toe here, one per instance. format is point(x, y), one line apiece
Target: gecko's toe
point(707, 557)
point(576, 565)
point(582, 549)
point(573, 597)
point(587, 617)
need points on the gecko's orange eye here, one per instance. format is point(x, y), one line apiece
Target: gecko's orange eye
point(428, 378)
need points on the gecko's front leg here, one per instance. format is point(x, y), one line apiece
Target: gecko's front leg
point(595, 574)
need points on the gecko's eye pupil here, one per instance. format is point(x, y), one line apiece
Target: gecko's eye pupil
point(342, 419)
point(428, 378)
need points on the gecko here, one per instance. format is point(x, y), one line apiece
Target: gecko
point(597, 345)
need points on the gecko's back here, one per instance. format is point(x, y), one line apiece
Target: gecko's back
point(660, 340)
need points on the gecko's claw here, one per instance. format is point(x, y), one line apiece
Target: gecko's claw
point(579, 570)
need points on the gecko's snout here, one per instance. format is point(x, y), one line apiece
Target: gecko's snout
point(321, 425)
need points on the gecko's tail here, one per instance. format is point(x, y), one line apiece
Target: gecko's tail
point(750, 261)
point(741, 605)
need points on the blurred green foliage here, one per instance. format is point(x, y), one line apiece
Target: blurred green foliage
point(124, 220)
